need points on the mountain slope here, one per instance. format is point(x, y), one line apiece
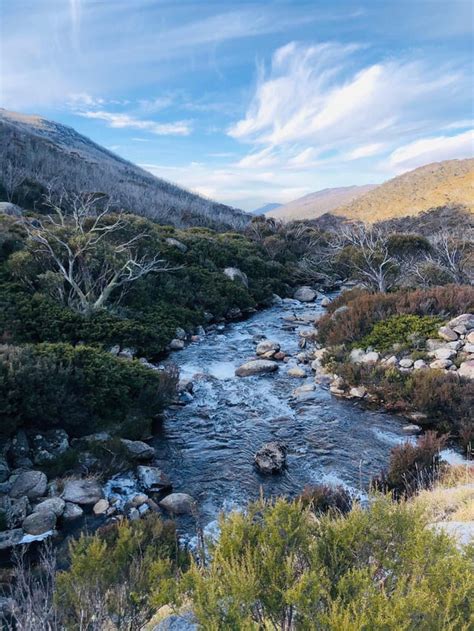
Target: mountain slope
point(431, 186)
point(40, 153)
point(266, 208)
point(316, 204)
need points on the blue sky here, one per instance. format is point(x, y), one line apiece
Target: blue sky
point(250, 102)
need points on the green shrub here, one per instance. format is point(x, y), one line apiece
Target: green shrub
point(276, 567)
point(322, 498)
point(80, 389)
point(406, 330)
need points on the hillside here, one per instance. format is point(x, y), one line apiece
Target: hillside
point(316, 204)
point(266, 208)
point(431, 186)
point(36, 153)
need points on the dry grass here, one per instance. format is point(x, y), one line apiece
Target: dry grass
point(452, 498)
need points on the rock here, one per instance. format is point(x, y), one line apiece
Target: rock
point(356, 355)
point(432, 344)
point(185, 385)
point(406, 363)
point(370, 358)
point(177, 345)
point(178, 503)
point(174, 243)
point(101, 507)
point(82, 491)
point(297, 372)
point(72, 512)
point(4, 470)
point(441, 364)
point(20, 447)
point(138, 450)
point(33, 484)
point(444, 353)
point(138, 500)
point(468, 348)
point(391, 361)
point(256, 367)
point(182, 622)
point(280, 356)
point(236, 275)
point(358, 393)
point(461, 531)
point(466, 369)
point(465, 319)
point(48, 445)
point(339, 310)
point(446, 333)
point(39, 523)
point(325, 302)
point(304, 393)
point(16, 511)
point(180, 333)
point(305, 294)
point(267, 345)
point(234, 314)
point(419, 364)
point(411, 429)
point(470, 338)
point(54, 505)
point(271, 457)
point(7, 208)
point(153, 479)
point(455, 345)
point(10, 538)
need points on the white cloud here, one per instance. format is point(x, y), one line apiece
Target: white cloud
point(366, 151)
point(433, 149)
point(122, 121)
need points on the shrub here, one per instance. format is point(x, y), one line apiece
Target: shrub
point(322, 498)
point(275, 567)
point(81, 389)
point(406, 330)
point(365, 309)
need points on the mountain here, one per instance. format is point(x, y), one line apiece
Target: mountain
point(440, 184)
point(316, 204)
point(36, 153)
point(265, 209)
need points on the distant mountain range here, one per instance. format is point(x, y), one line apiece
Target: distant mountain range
point(40, 153)
point(263, 210)
point(316, 204)
point(448, 183)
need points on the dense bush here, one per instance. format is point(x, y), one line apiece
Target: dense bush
point(322, 498)
point(276, 567)
point(405, 330)
point(363, 309)
point(81, 389)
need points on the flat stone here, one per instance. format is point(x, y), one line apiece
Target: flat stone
point(138, 450)
point(406, 363)
point(33, 484)
point(267, 345)
point(101, 507)
point(82, 491)
point(178, 503)
point(39, 523)
point(182, 622)
point(391, 361)
point(446, 333)
point(256, 367)
point(444, 353)
point(461, 531)
point(441, 364)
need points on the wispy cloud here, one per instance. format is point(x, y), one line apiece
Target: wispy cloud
point(125, 121)
point(432, 149)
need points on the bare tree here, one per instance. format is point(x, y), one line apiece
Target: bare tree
point(13, 175)
point(79, 243)
point(371, 260)
point(453, 251)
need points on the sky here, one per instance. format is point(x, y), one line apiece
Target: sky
point(250, 102)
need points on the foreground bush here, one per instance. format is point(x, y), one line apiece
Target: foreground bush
point(275, 567)
point(363, 309)
point(81, 389)
point(404, 330)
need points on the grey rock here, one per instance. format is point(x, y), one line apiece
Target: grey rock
point(256, 367)
point(444, 353)
point(48, 445)
point(235, 274)
point(182, 622)
point(465, 319)
point(10, 538)
point(72, 512)
point(271, 457)
point(82, 491)
point(180, 333)
point(305, 294)
point(466, 369)
point(101, 507)
point(39, 523)
point(138, 450)
point(33, 484)
point(177, 244)
point(7, 208)
point(4, 470)
point(446, 333)
point(406, 363)
point(325, 302)
point(178, 503)
point(266, 346)
point(54, 505)
point(177, 345)
point(16, 511)
point(20, 447)
point(420, 364)
point(153, 479)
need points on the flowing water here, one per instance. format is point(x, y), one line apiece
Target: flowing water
point(207, 447)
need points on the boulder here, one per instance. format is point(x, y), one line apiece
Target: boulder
point(271, 457)
point(444, 353)
point(455, 345)
point(33, 484)
point(174, 243)
point(10, 538)
point(358, 392)
point(177, 345)
point(470, 338)
point(305, 294)
point(465, 319)
point(441, 364)
point(138, 450)
point(180, 333)
point(391, 361)
point(325, 302)
point(304, 393)
point(266, 346)
point(297, 372)
point(72, 512)
point(20, 447)
point(49, 445)
point(356, 355)
point(178, 503)
point(406, 363)
point(370, 358)
point(152, 479)
point(7, 208)
point(182, 622)
point(432, 344)
point(39, 523)
point(85, 492)
point(420, 364)
point(101, 507)
point(466, 369)
point(468, 348)
point(256, 367)
point(236, 275)
point(446, 333)
point(411, 429)
point(16, 511)
point(54, 505)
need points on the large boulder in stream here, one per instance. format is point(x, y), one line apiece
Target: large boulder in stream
point(256, 367)
point(153, 479)
point(178, 504)
point(305, 294)
point(271, 457)
point(85, 492)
